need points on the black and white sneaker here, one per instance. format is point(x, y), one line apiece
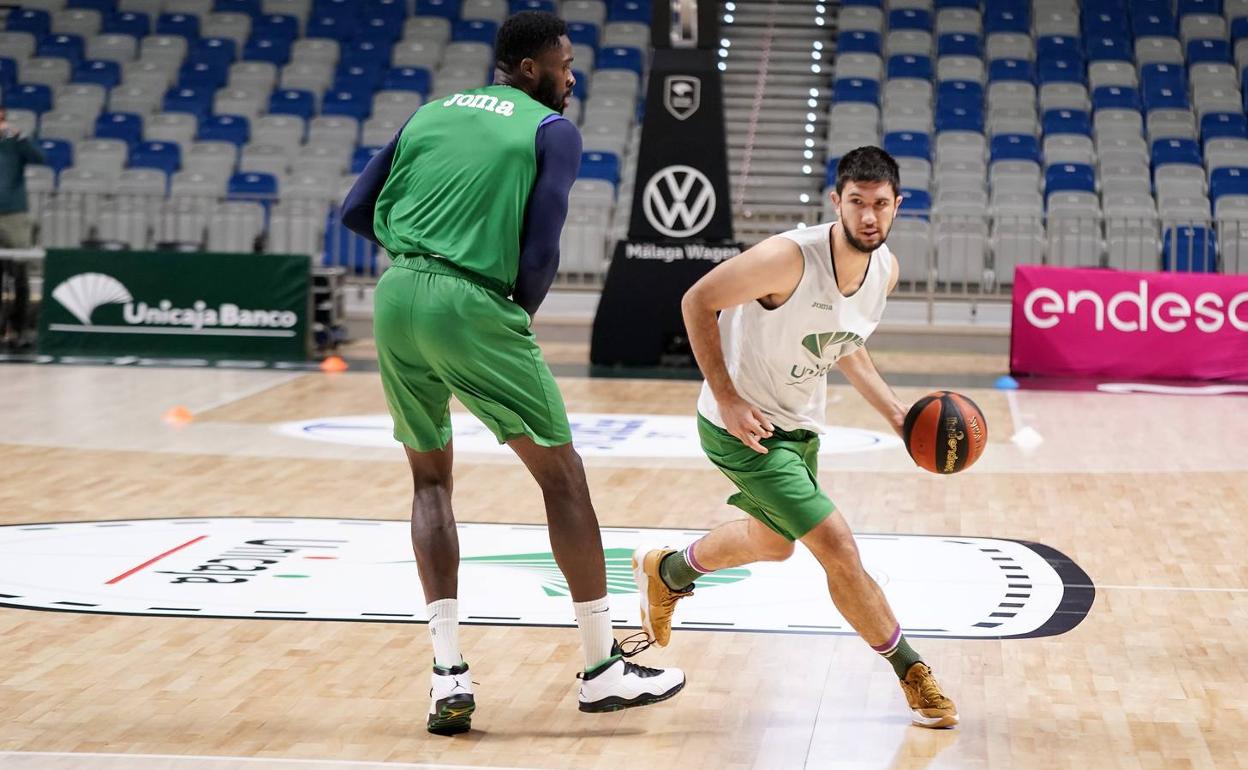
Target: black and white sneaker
point(617, 684)
point(451, 702)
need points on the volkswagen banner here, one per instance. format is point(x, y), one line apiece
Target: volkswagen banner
point(176, 305)
point(1089, 323)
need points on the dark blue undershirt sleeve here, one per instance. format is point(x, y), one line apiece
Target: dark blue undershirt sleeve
point(558, 161)
point(361, 200)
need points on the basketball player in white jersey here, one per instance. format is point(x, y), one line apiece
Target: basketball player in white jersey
point(790, 309)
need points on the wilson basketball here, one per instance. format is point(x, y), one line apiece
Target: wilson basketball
point(945, 432)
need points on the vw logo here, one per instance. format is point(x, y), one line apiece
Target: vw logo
point(679, 201)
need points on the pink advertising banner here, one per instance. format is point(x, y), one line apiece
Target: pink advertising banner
point(1081, 323)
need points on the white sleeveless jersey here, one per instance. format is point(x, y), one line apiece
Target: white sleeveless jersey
point(779, 359)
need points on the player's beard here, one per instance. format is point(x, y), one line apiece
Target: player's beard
point(859, 245)
point(548, 93)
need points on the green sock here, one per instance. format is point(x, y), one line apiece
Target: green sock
point(677, 572)
point(901, 657)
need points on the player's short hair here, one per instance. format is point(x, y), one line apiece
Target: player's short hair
point(867, 164)
point(526, 35)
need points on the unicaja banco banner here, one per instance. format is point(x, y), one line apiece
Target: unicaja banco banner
point(175, 305)
point(1071, 322)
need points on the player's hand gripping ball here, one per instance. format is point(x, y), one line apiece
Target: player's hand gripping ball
point(945, 432)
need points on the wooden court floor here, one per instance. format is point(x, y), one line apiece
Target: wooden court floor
point(1147, 493)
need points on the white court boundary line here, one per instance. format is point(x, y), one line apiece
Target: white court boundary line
point(269, 760)
point(248, 393)
point(1201, 589)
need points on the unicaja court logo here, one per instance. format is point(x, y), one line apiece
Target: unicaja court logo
point(679, 201)
point(83, 293)
point(619, 571)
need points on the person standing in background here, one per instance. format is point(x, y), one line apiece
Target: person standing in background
point(16, 152)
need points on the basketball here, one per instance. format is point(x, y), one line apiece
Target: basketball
point(945, 432)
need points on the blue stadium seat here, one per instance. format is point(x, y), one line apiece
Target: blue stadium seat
point(1205, 50)
point(1011, 69)
point(35, 97)
point(858, 41)
point(1115, 98)
point(250, 7)
point(292, 102)
point(856, 90)
point(103, 6)
point(1014, 147)
point(358, 77)
point(907, 144)
point(343, 248)
point(1170, 75)
point(127, 23)
point(339, 9)
point(125, 126)
point(1006, 19)
point(960, 119)
point(910, 66)
point(1153, 24)
point(234, 129)
point(864, 3)
point(583, 33)
point(371, 54)
point(1198, 6)
point(220, 51)
point(965, 94)
point(58, 154)
point(181, 24)
point(36, 22)
point(65, 46)
point(1239, 29)
point(333, 27)
point(600, 165)
point(620, 58)
point(1066, 122)
point(915, 204)
point(1175, 151)
point(408, 79)
point(1165, 97)
point(252, 186)
point(629, 10)
point(1069, 177)
point(352, 104)
point(1229, 180)
point(1105, 48)
point(910, 18)
point(196, 101)
point(475, 30)
point(958, 44)
point(275, 50)
point(1060, 71)
point(1058, 47)
point(968, 4)
point(381, 30)
point(8, 74)
point(517, 6)
point(448, 9)
point(103, 73)
point(393, 10)
point(163, 156)
point(1188, 249)
point(1102, 23)
point(276, 26)
point(1223, 125)
point(361, 157)
point(202, 74)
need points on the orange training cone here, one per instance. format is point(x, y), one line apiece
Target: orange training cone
point(178, 415)
point(333, 364)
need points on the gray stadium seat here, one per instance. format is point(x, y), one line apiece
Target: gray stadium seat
point(315, 50)
point(212, 159)
point(50, 71)
point(1009, 45)
point(232, 26)
point(118, 48)
point(17, 45)
point(417, 53)
point(168, 51)
point(235, 226)
point(261, 75)
point(433, 29)
point(966, 21)
point(175, 127)
point(860, 17)
point(908, 41)
point(66, 124)
point(859, 65)
point(76, 21)
point(103, 158)
point(1111, 73)
point(285, 131)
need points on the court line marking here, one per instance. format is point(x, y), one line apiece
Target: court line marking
point(267, 760)
point(248, 393)
point(1199, 589)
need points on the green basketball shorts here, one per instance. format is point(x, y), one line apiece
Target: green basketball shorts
point(441, 331)
point(780, 488)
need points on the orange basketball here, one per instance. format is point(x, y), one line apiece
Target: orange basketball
point(945, 432)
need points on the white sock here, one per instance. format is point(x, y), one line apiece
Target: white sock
point(444, 628)
point(594, 620)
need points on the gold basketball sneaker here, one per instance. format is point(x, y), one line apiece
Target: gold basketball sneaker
point(658, 602)
point(929, 706)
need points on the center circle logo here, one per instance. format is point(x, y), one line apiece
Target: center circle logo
point(679, 201)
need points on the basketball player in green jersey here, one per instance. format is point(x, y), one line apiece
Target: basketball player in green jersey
point(791, 308)
point(469, 199)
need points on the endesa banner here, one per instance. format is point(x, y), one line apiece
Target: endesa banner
point(1081, 323)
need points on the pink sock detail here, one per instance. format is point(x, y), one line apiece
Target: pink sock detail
point(693, 562)
point(892, 643)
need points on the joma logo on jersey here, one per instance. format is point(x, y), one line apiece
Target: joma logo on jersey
point(481, 102)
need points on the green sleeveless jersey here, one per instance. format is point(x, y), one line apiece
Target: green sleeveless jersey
point(460, 182)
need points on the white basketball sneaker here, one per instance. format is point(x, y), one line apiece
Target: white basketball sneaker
point(451, 703)
point(617, 684)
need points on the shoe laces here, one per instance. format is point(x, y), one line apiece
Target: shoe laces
point(633, 645)
point(929, 690)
